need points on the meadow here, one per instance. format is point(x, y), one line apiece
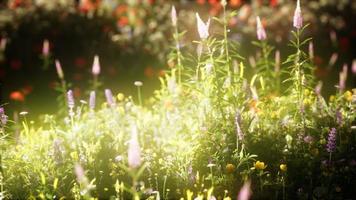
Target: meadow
point(211, 131)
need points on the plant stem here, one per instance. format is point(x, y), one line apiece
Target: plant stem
point(225, 43)
point(139, 95)
point(179, 54)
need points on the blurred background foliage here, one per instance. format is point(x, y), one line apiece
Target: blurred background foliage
point(133, 39)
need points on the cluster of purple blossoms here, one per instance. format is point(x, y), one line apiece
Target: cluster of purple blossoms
point(331, 145)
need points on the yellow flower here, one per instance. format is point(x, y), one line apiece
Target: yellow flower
point(260, 165)
point(348, 96)
point(332, 98)
point(230, 168)
point(120, 97)
point(283, 167)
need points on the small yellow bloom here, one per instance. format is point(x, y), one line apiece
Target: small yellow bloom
point(306, 92)
point(260, 165)
point(230, 168)
point(283, 167)
point(332, 98)
point(120, 97)
point(348, 96)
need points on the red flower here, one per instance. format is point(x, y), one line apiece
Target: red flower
point(201, 2)
point(80, 62)
point(17, 96)
point(123, 21)
point(149, 72)
point(15, 64)
point(235, 3)
point(273, 3)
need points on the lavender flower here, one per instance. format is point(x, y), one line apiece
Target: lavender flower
point(3, 117)
point(174, 16)
point(70, 99)
point(134, 151)
point(245, 191)
point(79, 172)
point(59, 69)
point(92, 100)
point(333, 59)
point(109, 97)
point(261, 33)
point(239, 132)
point(3, 43)
point(343, 78)
point(203, 28)
point(45, 48)
point(96, 66)
point(353, 68)
point(298, 19)
point(331, 145)
point(318, 88)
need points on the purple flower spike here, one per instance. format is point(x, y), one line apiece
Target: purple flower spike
point(331, 145)
point(261, 33)
point(96, 66)
point(109, 97)
point(245, 192)
point(3, 117)
point(59, 69)
point(70, 99)
point(134, 151)
point(92, 100)
point(298, 19)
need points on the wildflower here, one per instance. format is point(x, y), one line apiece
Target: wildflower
point(245, 191)
point(331, 145)
point(70, 99)
point(332, 98)
point(318, 88)
point(45, 48)
point(92, 100)
point(261, 33)
point(3, 117)
point(223, 3)
point(260, 165)
point(283, 167)
point(109, 97)
point(120, 97)
point(230, 168)
point(298, 19)
point(138, 83)
point(308, 139)
point(79, 172)
point(59, 69)
point(174, 16)
point(3, 43)
point(333, 59)
point(17, 96)
point(96, 66)
point(239, 132)
point(134, 151)
point(348, 96)
point(203, 28)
